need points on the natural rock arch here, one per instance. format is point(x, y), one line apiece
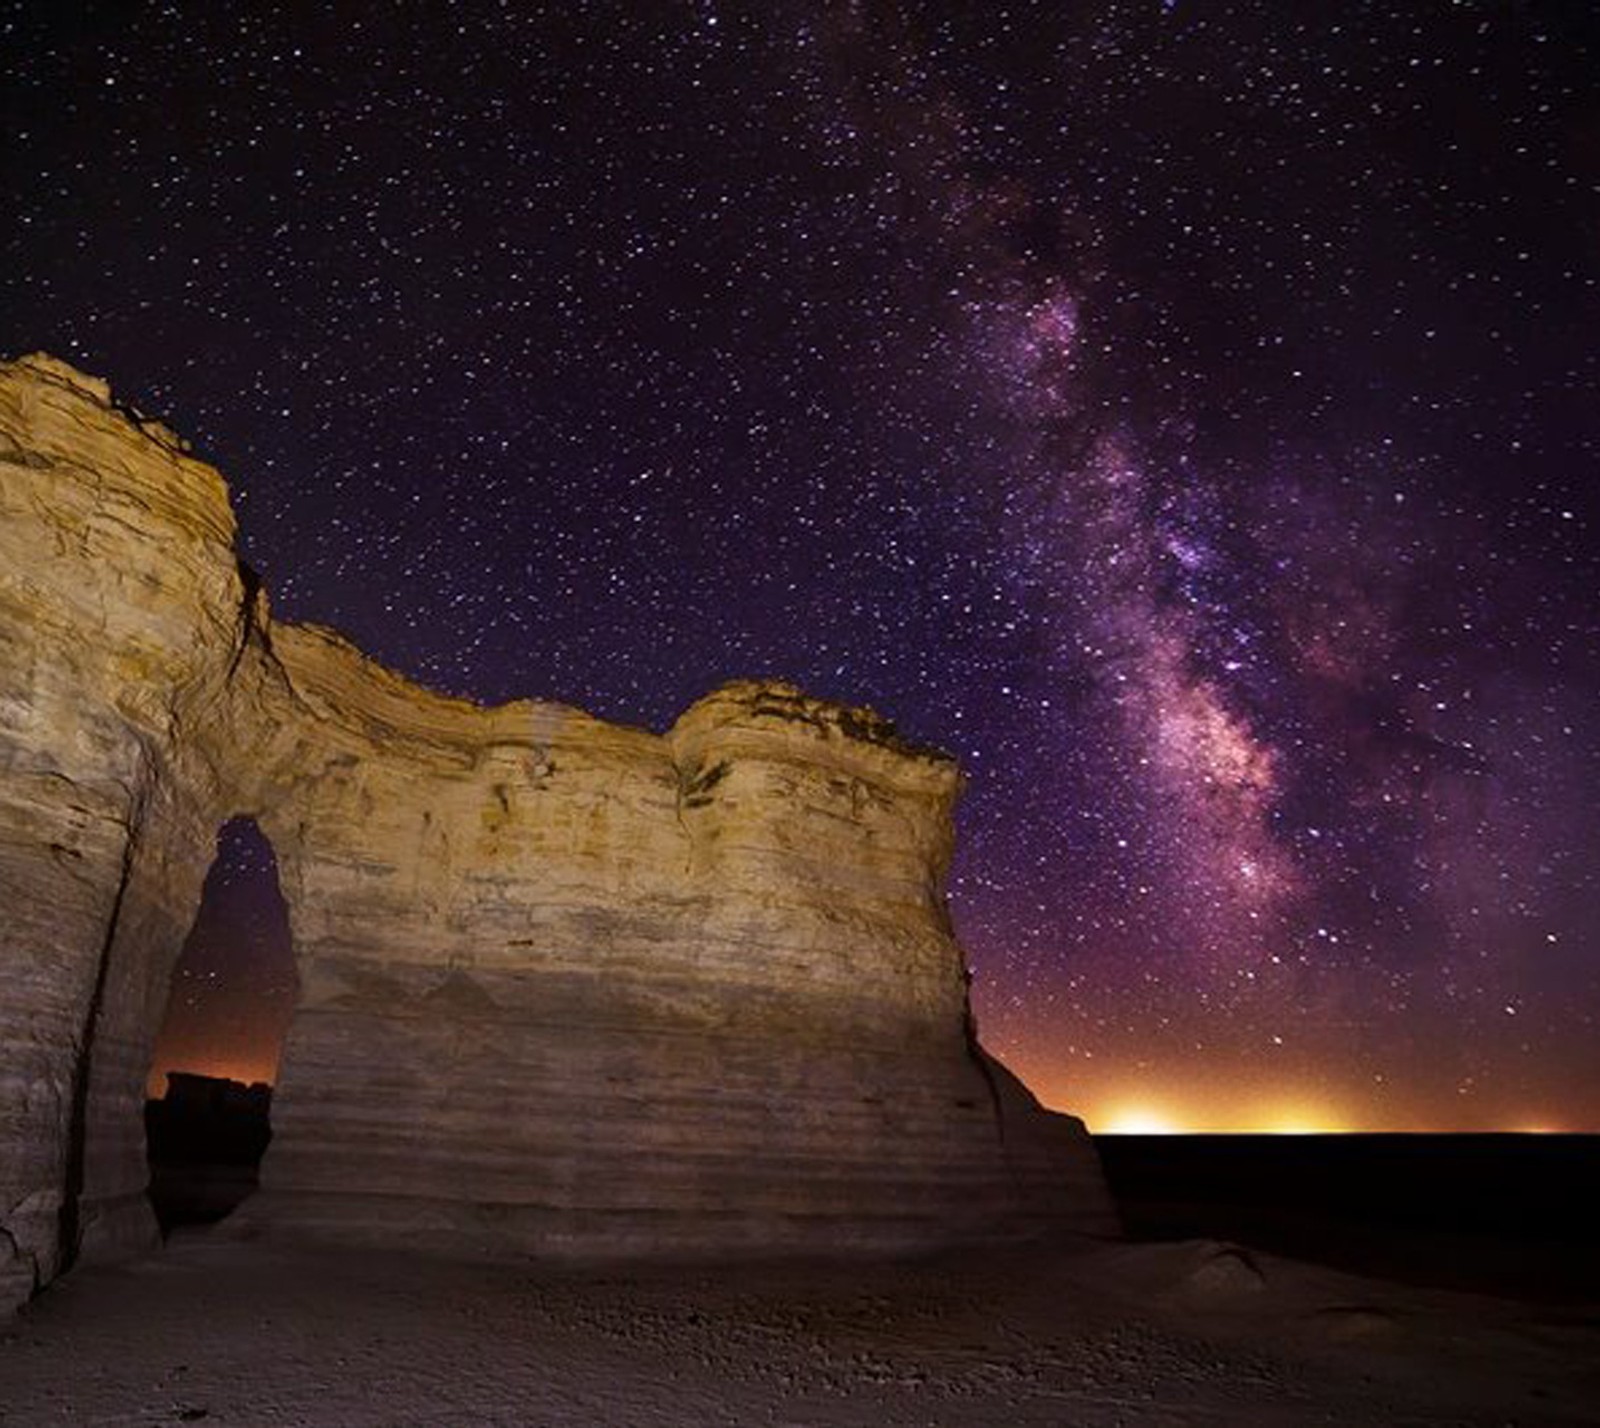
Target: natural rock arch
point(233, 987)
point(566, 986)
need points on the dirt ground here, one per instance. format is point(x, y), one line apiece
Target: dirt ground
point(223, 1331)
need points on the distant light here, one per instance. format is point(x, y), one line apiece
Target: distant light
point(1138, 1121)
point(1299, 1120)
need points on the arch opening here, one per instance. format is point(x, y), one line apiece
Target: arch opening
point(216, 1053)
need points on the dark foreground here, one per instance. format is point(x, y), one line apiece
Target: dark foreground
point(1515, 1215)
point(236, 1332)
point(1510, 1215)
point(230, 1326)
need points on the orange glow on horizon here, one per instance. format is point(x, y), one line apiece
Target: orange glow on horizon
point(1298, 1127)
point(1150, 1112)
point(246, 1073)
point(1204, 1099)
point(1136, 1120)
point(1144, 1112)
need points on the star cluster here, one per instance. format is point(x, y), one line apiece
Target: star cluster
point(1184, 413)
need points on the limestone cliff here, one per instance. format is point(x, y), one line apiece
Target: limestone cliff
point(564, 985)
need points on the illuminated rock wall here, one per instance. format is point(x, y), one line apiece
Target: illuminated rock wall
point(564, 986)
point(120, 611)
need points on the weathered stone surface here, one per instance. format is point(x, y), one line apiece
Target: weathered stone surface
point(564, 985)
point(119, 602)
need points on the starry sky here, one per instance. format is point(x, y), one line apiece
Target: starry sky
point(1183, 412)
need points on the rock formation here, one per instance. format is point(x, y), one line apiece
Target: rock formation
point(565, 986)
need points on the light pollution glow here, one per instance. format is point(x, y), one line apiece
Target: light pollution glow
point(1146, 1110)
point(1153, 1118)
point(246, 1066)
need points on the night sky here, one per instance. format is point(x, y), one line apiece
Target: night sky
point(1184, 412)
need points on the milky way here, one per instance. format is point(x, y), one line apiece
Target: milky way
point(1184, 413)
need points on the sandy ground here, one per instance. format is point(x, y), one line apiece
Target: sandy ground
point(220, 1331)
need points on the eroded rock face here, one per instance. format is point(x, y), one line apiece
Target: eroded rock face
point(564, 985)
point(119, 603)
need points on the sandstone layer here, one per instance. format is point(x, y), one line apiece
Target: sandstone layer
point(565, 986)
